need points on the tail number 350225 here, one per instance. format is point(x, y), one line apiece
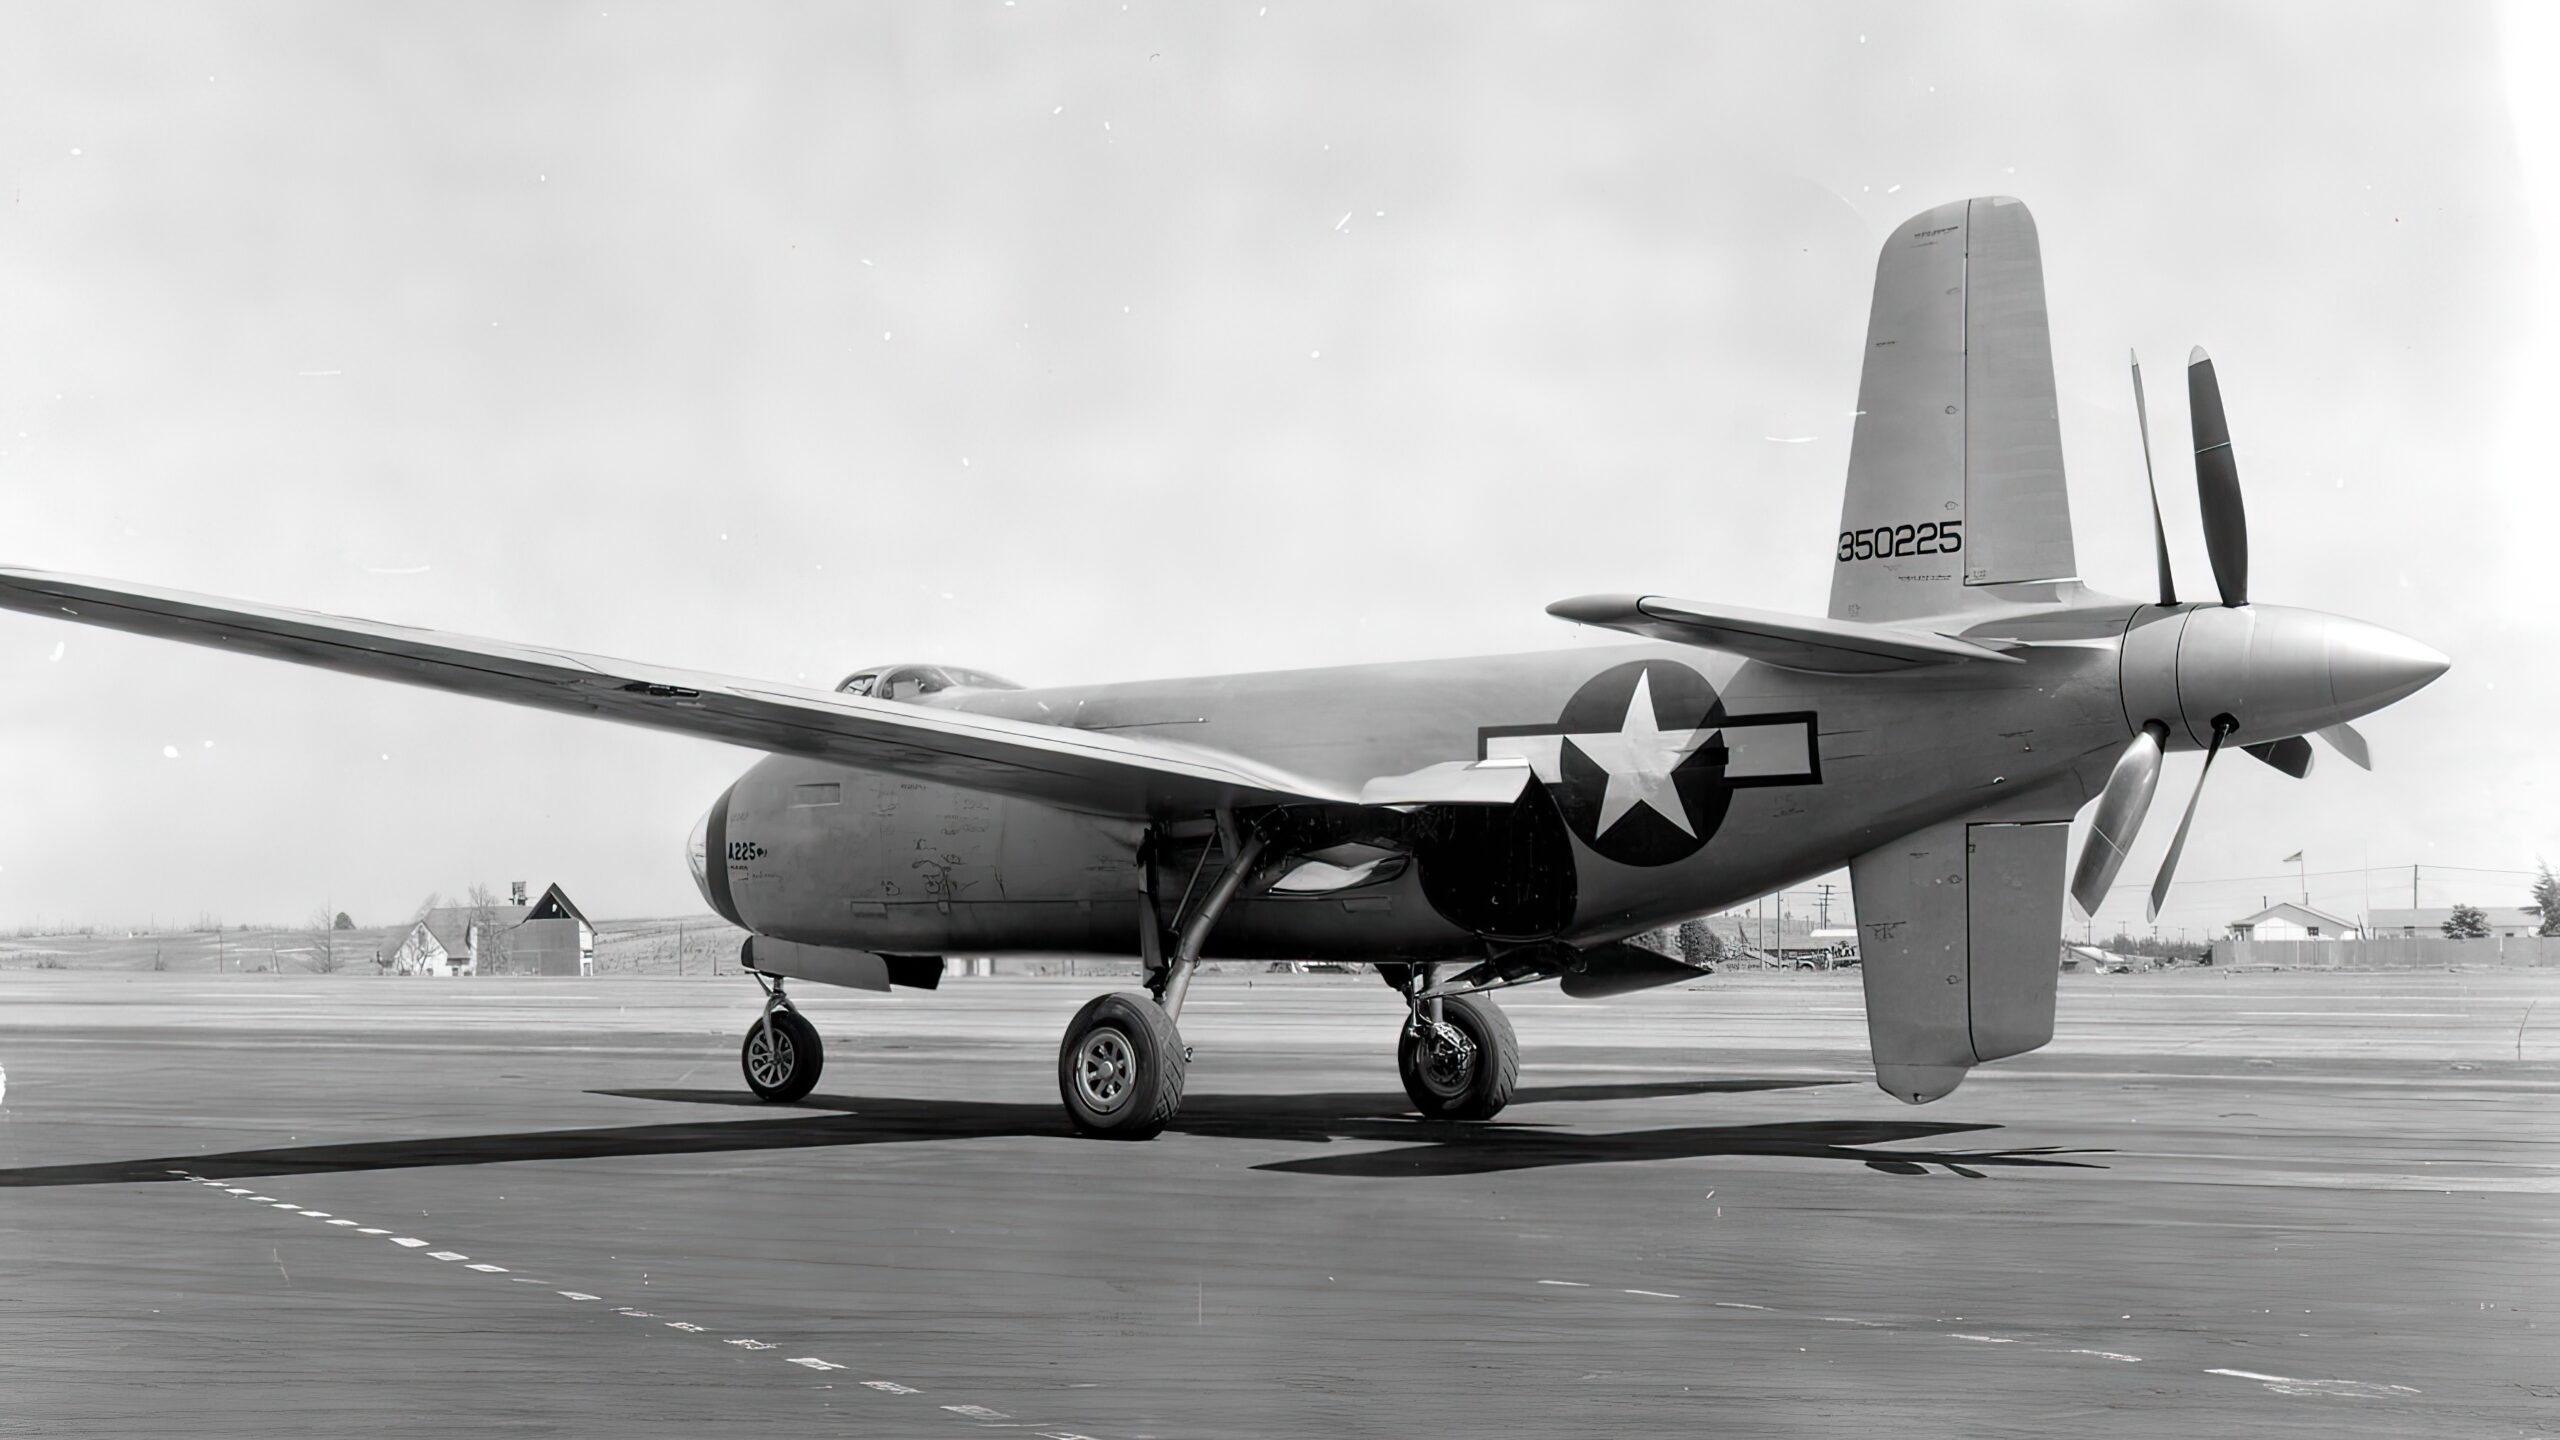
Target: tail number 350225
point(1884, 542)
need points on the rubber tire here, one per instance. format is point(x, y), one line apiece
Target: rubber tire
point(1497, 1062)
point(808, 1053)
point(1156, 1063)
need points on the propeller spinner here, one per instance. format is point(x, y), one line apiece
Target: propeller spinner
point(2201, 676)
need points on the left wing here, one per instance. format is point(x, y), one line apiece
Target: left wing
point(1110, 774)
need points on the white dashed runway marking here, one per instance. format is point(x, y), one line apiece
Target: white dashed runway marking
point(2344, 1389)
point(2281, 1384)
point(980, 1414)
point(1864, 1323)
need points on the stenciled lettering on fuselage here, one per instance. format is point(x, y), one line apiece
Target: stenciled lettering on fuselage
point(1644, 761)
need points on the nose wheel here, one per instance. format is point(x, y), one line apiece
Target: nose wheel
point(1464, 1064)
point(782, 1054)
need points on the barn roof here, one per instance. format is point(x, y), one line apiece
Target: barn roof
point(555, 904)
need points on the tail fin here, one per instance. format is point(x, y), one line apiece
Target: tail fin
point(1955, 468)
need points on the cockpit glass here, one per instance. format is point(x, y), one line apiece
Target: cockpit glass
point(977, 679)
point(906, 682)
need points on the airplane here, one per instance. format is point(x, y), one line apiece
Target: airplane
point(1464, 826)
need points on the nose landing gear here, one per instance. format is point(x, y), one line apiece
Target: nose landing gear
point(782, 1055)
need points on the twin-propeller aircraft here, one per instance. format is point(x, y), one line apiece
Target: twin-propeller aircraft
point(1466, 825)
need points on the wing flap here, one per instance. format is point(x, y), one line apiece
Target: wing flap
point(1791, 642)
point(1077, 769)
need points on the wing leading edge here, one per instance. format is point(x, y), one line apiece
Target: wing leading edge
point(1077, 769)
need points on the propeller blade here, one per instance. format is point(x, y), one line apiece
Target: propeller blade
point(2292, 755)
point(2178, 842)
point(2226, 521)
point(2121, 807)
point(2347, 740)
point(2159, 530)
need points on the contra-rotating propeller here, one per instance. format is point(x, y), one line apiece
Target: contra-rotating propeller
point(2265, 673)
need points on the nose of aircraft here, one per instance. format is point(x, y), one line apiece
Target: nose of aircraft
point(2370, 667)
point(697, 854)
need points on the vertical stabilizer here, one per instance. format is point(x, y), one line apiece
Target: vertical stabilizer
point(1955, 468)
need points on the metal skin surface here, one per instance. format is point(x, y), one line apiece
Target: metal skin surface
point(903, 865)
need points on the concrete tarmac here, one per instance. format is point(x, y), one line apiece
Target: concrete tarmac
point(332, 1206)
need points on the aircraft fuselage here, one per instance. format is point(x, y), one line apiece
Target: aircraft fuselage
point(1670, 781)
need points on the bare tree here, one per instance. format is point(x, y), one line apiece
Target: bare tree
point(490, 949)
point(389, 959)
point(325, 958)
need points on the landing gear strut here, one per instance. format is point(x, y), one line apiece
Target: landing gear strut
point(782, 1055)
point(1122, 1064)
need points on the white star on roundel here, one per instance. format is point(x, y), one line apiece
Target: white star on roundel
point(1638, 758)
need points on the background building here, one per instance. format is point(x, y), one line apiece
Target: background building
point(2504, 921)
point(551, 936)
point(2288, 921)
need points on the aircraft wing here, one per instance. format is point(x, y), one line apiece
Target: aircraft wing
point(1791, 642)
point(1084, 770)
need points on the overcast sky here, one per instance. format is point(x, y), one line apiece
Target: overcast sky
point(1100, 341)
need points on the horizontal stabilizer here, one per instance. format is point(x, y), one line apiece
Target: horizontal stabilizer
point(1791, 642)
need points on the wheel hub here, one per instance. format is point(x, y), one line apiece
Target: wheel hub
point(1448, 1059)
point(1106, 1070)
point(771, 1057)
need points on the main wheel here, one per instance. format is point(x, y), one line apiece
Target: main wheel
point(1120, 1068)
point(782, 1061)
point(1468, 1076)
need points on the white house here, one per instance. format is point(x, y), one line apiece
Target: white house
point(438, 943)
point(2288, 921)
point(549, 937)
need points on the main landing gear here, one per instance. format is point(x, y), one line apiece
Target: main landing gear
point(1122, 1063)
point(1458, 1056)
point(782, 1055)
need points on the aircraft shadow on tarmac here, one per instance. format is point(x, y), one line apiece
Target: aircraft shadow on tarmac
point(1417, 1148)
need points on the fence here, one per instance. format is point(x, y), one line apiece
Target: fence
point(2392, 952)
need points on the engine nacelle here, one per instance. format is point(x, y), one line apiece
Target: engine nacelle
point(807, 851)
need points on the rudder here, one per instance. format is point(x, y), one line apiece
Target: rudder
point(1955, 466)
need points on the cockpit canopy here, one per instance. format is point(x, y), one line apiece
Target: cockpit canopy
point(908, 682)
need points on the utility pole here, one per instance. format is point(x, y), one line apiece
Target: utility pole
point(1825, 902)
point(679, 949)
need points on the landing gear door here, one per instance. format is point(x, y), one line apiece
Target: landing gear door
point(1960, 930)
